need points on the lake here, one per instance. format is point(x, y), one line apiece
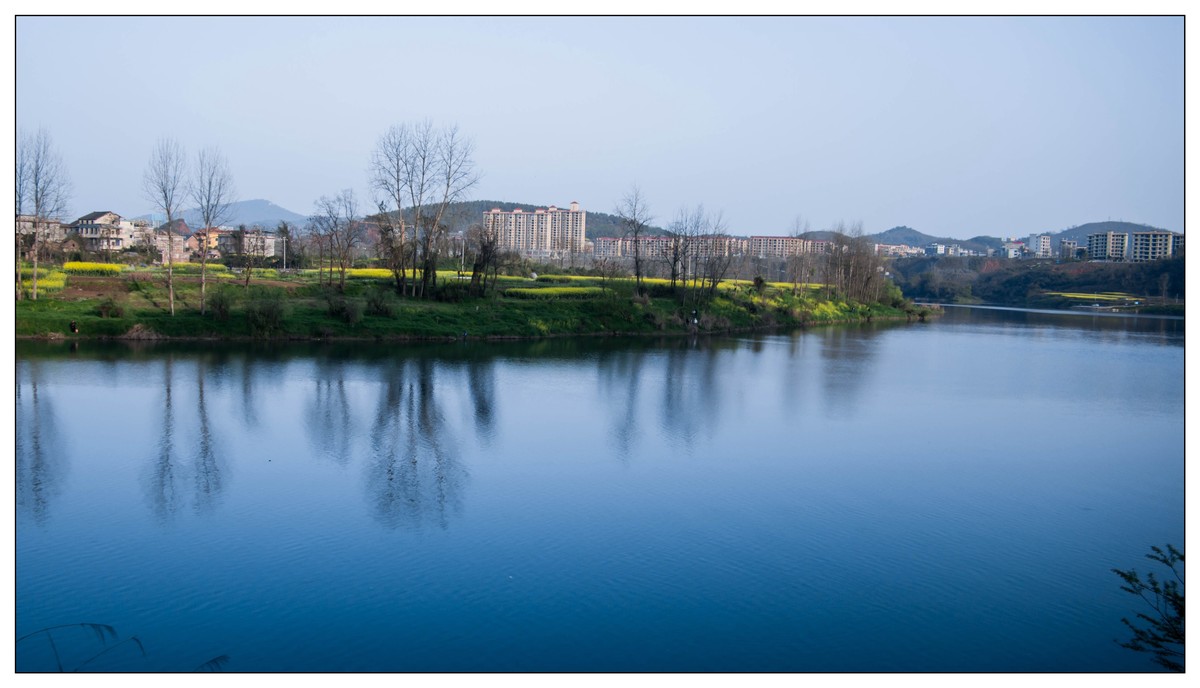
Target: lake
point(941, 496)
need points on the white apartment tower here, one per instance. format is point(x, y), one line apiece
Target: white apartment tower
point(543, 233)
point(1039, 245)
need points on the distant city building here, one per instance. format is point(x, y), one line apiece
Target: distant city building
point(898, 250)
point(1067, 249)
point(1147, 246)
point(1177, 245)
point(1013, 249)
point(778, 246)
point(543, 233)
point(1039, 246)
point(936, 249)
point(660, 247)
point(1107, 246)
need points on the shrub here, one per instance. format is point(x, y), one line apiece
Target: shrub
point(348, 311)
point(92, 269)
point(220, 302)
point(380, 302)
point(265, 315)
point(110, 308)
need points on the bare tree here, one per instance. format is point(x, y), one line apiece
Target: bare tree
point(337, 225)
point(165, 185)
point(42, 185)
point(635, 219)
point(389, 173)
point(799, 264)
point(21, 178)
point(485, 241)
point(427, 169)
point(718, 251)
point(254, 250)
point(852, 270)
point(213, 193)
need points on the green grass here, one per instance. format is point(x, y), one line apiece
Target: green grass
point(522, 307)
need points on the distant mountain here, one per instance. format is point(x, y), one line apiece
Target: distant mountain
point(911, 237)
point(249, 213)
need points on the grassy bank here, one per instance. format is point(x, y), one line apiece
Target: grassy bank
point(295, 306)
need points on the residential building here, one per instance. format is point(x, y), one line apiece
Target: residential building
point(105, 230)
point(1107, 246)
point(1148, 246)
point(1067, 249)
point(1039, 246)
point(173, 237)
point(936, 249)
point(254, 242)
point(778, 246)
point(898, 250)
point(50, 230)
point(1177, 245)
point(543, 233)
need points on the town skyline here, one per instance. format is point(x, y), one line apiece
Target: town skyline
point(957, 127)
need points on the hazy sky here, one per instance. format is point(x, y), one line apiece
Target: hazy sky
point(953, 126)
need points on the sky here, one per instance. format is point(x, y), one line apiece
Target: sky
point(954, 126)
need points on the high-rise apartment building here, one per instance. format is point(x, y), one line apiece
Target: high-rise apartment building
point(1107, 246)
point(541, 233)
point(1147, 246)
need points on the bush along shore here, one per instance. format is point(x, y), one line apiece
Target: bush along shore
point(133, 304)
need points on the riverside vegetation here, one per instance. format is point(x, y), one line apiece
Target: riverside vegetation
point(109, 302)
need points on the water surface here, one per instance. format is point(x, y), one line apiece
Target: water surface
point(947, 496)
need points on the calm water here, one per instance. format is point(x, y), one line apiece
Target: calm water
point(948, 496)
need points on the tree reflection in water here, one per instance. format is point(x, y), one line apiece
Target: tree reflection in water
point(161, 489)
point(330, 420)
point(414, 474)
point(208, 473)
point(40, 460)
point(166, 483)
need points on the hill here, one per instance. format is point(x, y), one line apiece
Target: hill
point(911, 237)
point(253, 212)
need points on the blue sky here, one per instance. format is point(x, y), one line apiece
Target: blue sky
point(953, 126)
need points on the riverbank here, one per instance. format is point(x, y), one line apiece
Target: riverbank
point(132, 308)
